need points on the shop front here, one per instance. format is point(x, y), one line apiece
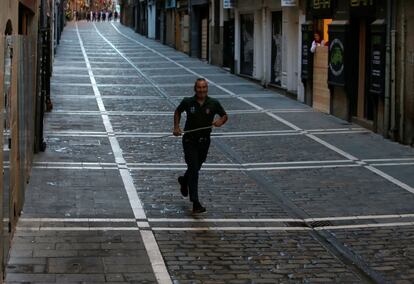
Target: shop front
point(169, 22)
point(315, 59)
point(344, 74)
point(182, 27)
point(258, 40)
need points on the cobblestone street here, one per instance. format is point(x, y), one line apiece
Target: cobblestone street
point(292, 195)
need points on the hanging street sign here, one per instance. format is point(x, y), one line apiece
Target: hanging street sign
point(289, 3)
point(228, 4)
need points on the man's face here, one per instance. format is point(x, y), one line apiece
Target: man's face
point(201, 89)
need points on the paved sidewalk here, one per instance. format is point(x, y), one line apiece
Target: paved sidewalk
point(292, 195)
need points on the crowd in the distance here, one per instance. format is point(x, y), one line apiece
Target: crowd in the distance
point(97, 16)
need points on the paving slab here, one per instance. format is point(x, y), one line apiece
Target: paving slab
point(252, 257)
point(226, 194)
point(103, 204)
point(341, 192)
point(369, 146)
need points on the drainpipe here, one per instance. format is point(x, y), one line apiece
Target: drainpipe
point(402, 73)
point(393, 129)
point(387, 72)
point(264, 43)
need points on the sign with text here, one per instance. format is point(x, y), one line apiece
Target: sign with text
point(307, 56)
point(229, 4)
point(362, 8)
point(321, 8)
point(377, 60)
point(289, 3)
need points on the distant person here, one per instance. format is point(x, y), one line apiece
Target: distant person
point(110, 16)
point(93, 16)
point(88, 17)
point(103, 16)
point(318, 41)
point(116, 15)
point(98, 16)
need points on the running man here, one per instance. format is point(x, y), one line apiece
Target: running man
point(201, 111)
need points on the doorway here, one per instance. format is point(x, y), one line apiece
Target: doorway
point(199, 32)
point(362, 101)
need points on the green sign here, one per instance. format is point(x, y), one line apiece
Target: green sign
point(336, 62)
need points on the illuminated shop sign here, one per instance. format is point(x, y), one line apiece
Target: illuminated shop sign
point(362, 7)
point(361, 3)
point(321, 8)
point(336, 62)
point(321, 4)
point(337, 54)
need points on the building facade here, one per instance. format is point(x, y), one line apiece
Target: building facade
point(402, 94)
point(257, 39)
point(25, 61)
point(362, 73)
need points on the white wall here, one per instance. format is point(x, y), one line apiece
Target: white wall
point(290, 48)
point(300, 89)
point(258, 51)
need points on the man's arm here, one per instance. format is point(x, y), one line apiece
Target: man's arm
point(177, 118)
point(222, 120)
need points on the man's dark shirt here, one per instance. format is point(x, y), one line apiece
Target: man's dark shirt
point(200, 116)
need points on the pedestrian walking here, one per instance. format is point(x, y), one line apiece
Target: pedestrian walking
point(103, 16)
point(116, 15)
point(201, 111)
point(93, 16)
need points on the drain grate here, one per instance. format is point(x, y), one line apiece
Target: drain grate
point(316, 224)
point(295, 224)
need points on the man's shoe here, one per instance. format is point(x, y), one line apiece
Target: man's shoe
point(183, 186)
point(198, 208)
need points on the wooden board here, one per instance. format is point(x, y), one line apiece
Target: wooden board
point(321, 93)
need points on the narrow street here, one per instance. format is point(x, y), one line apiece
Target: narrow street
point(292, 195)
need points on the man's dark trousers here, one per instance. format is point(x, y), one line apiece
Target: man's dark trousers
point(195, 154)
